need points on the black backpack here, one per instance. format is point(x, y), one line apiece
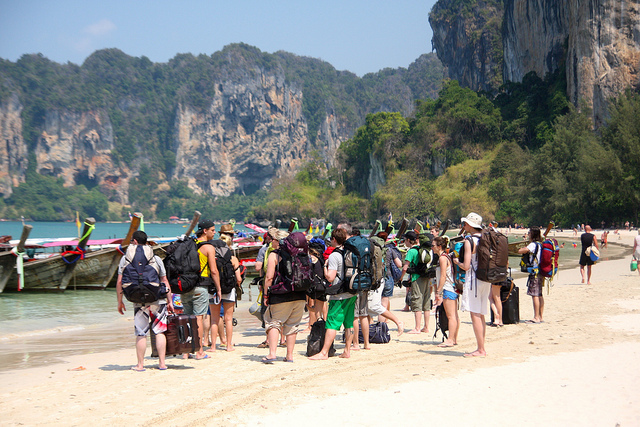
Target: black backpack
point(227, 274)
point(183, 265)
point(140, 280)
point(315, 340)
point(319, 286)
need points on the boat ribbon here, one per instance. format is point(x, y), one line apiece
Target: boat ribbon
point(78, 250)
point(19, 266)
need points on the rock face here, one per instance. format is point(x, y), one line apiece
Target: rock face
point(13, 152)
point(602, 39)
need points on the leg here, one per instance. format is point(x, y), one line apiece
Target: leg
point(349, 339)
point(206, 337)
point(291, 342)
point(329, 336)
point(228, 323)
point(356, 334)
point(200, 353)
point(272, 339)
point(215, 317)
point(141, 347)
point(541, 309)
point(364, 321)
point(588, 274)
point(389, 315)
point(161, 345)
point(479, 329)
point(451, 310)
point(582, 272)
point(426, 314)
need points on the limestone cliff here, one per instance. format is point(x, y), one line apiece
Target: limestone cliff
point(13, 152)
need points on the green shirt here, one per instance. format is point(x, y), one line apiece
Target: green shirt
point(413, 257)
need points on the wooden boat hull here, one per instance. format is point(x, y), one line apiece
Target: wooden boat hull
point(7, 268)
point(514, 246)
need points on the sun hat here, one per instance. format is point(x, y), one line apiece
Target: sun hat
point(227, 229)
point(473, 219)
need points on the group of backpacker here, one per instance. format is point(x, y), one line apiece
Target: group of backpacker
point(355, 274)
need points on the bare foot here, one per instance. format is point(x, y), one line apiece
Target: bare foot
point(231, 347)
point(345, 355)
point(476, 353)
point(367, 348)
point(319, 356)
point(424, 330)
point(400, 328)
point(446, 344)
point(414, 331)
point(355, 347)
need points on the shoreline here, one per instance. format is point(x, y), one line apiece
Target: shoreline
point(572, 369)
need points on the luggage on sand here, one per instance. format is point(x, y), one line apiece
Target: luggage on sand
point(315, 340)
point(182, 334)
point(510, 296)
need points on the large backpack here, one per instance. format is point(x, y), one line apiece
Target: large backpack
point(140, 279)
point(426, 267)
point(294, 273)
point(379, 266)
point(529, 261)
point(183, 265)
point(493, 256)
point(226, 271)
point(549, 258)
point(458, 273)
point(358, 263)
point(320, 284)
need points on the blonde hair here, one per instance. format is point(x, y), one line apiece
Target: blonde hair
point(227, 239)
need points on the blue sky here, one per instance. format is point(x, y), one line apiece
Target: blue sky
point(359, 36)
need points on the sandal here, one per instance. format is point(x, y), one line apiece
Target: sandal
point(263, 344)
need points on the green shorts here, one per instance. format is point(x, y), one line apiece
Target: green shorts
point(341, 312)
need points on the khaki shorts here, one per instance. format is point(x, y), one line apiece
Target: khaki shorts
point(421, 294)
point(285, 316)
point(362, 309)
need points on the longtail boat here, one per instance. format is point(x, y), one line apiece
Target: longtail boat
point(515, 246)
point(9, 257)
point(55, 272)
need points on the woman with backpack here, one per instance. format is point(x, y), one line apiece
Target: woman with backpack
point(446, 290)
point(317, 295)
point(535, 280)
point(229, 299)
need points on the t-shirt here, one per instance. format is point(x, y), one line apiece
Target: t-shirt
point(538, 253)
point(413, 256)
point(336, 262)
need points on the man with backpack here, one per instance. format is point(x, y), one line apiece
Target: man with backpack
point(196, 302)
point(420, 286)
point(140, 267)
point(341, 301)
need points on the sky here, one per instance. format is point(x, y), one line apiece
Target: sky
point(355, 35)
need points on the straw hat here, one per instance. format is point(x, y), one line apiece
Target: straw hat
point(473, 219)
point(227, 229)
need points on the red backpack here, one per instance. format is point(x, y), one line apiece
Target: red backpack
point(549, 258)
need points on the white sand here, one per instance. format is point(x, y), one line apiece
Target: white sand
point(577, 368)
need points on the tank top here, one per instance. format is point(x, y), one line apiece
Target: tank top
point(448, 280)
point(204, 262)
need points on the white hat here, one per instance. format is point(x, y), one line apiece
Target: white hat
point(473, 219)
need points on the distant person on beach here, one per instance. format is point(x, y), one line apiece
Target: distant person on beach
point(197, 301)
point(420, 301)
point(284, 306)
point(475, 297)
point(446, 290)
point(604, 238)
point(151, 315)
point(636, 249)
point(341, 306)
point(535, 280)
point(587, 239)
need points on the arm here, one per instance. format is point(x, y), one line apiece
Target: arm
point(398, 262)
point(272, 262)
point(444, 265)
point(210, 252)
point(121, 307)
point(236, 269)
point(330, 275)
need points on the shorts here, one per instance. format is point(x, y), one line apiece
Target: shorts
point(421, 294)
point(284, 316)
point(341, 312)
point(152, 315)
point(534, 286)
point(230, 297)
point(388, 287)
point(361, 309)
point(449, 295)
point(374, 303)
point(196, 302)
point(475, 297)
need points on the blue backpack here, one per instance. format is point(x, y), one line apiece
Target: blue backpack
point(458, 273)
point(140, 279)
point(358, 263)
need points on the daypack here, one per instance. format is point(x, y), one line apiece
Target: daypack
point(425, 266)
point(458, 273)
point(378, 333)
point(493, 256)
point(320, 284)
point(442, 322)
point(529, 261)
point(183, 265)
point(226, 271)
point(358, 263)
point(140, 279)
point(315, 340)
point(294, 269)
point(379, 267)
point(392, 268)
point(549, 258)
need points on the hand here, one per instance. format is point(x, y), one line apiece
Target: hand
point(121, 307)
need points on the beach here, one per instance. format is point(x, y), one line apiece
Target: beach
point(576, 368)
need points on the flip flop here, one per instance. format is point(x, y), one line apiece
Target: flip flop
point(287, 360)
point(267, 361)
point(206, 356)
point(133, 368)
point(162, 369)
point(443, 345)
point(531, 322)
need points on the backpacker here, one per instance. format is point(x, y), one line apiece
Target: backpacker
point(358, 263)
point(493, 256)
point(183, 265)
point(426, 267)
point(294, 269)
point(226, 271)
point(529, 261)
point(140, 280)
point(549, 258)
point(396, 273)
point(379, 267)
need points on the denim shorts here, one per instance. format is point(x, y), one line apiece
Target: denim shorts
point(449, 295)
point(388, 287)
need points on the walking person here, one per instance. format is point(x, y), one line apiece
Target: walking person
point(587, 239)
point(475, 297)
point(151, 315)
